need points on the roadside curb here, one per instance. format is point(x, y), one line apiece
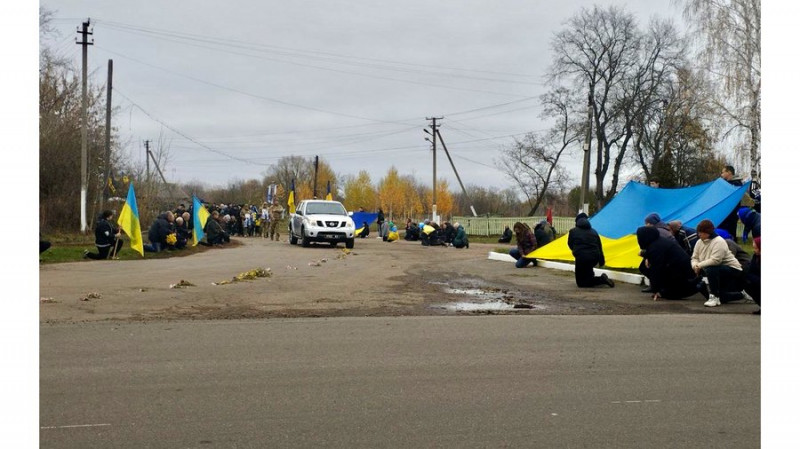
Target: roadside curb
point(636, 279)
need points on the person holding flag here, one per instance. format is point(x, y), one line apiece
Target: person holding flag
point(292, 208)
point(129, 221)
point(107, 238)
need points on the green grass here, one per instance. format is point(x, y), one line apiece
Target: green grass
point(69, 248)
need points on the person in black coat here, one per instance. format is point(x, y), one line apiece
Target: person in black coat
point(365, 232)
point(158, 232)
point(506, 237)
point(752, 280)
point(215, 235)
point(544, 233)
point(380, 220)
point(732, 220)
point(586, 247)
point(106, 237)
point(666, 264)
point(182, 233)
point(412, 231)
point(448, 232)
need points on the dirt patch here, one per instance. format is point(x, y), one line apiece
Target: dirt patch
point(374, 279)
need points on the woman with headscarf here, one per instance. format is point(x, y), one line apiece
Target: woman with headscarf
point(526, 243)
point(586, 247)
point(666, 264)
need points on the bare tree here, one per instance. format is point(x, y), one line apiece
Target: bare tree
point(288, 169)
point(598, 52)
point(533, 163)
point(730, 35)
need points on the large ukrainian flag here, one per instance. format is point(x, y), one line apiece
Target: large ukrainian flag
point(199, 218)
point(618, 220)
point(129, 221)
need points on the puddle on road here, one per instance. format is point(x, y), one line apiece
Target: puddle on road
point(483, 301)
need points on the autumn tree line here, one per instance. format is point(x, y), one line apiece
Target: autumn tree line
point(663, 104)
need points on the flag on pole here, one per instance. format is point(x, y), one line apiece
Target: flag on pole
point(291, 199)
point(199, 219)
point(110, 183)
point(549, 216)
point(329, 197)
point(129, 221)
point(271, 191)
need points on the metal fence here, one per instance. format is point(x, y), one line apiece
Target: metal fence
point(495, 225)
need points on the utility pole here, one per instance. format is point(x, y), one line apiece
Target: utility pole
point(463, 190)
point(84, 32)
point(316, 169)
point(147, 158)
point(587, 146)
point(106, 188)
point(434, 127)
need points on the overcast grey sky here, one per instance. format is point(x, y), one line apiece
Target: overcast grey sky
point(234, 86)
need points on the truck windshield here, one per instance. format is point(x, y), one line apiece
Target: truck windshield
point(325, 208)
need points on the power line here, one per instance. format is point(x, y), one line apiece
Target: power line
point(306, 53)
point(179, 132)
point(260, 97)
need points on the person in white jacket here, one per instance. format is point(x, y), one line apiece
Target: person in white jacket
point(713, 260)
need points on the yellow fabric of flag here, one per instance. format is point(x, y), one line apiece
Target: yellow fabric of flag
point(619, 253)
point(199, 218)
point(291, 202)
point(129, 221)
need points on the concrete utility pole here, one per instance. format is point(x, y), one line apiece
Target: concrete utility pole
point(147, 158)
point(463, 190)
point(316, 169)
point(84, 32)
point(434, 127)
point(587, 146)
point(106, 188)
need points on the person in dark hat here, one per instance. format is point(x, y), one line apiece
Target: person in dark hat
point(106, 237)
point(654, 220)
point(586, 247)
point(751, 221)
point(666, 265)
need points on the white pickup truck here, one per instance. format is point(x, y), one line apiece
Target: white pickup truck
point(321, 221)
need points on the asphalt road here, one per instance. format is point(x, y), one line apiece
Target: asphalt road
point(643, 381)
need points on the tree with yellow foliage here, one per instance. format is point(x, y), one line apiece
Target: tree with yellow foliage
point(359, 192)
point(390, 194)
point(444, 199)
point(412, 204)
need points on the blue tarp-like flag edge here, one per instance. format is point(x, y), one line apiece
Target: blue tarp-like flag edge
point(618, 220)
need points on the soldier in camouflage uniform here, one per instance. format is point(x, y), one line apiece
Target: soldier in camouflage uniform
point(275, 214)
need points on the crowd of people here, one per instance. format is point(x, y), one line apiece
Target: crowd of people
point(430, 233)
point(173, 229)
point(678, 261)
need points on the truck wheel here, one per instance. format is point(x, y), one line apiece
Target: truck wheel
point(349, 243)
point(305, 242)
